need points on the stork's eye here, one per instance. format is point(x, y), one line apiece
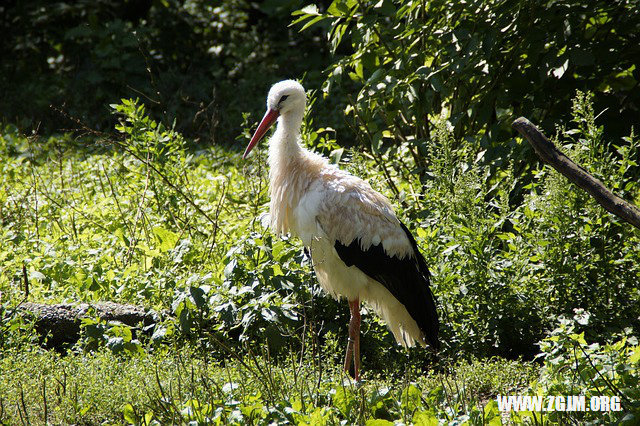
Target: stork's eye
point(282, 99)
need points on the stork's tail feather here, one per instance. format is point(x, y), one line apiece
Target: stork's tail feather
point(428, 319)
point(407, 280)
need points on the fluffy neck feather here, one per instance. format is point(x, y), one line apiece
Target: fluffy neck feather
point(291, 170)
point(284, 145)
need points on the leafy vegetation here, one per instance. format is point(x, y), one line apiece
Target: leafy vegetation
point(69, 60)
point(161, 388)
point(479, 64)
point(536, 284)
point(595, 369)
point(143, 220)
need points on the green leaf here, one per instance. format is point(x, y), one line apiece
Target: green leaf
point(425, 418)
point(385, 7)
point(344, 400)
point(311, 22)
point(378, 422)
point(94, 285)
point(559, 71)
point(311, 9)
point(129, 414)
point(411, 397)
point(167, 238)
point(119, 232)
point(197, 294)
point(341, 8)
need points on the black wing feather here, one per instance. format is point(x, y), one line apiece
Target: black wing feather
point(406, 279)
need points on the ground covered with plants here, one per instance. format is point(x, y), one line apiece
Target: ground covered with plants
point(146, 200)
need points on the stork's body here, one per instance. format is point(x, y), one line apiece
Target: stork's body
point(359, 249)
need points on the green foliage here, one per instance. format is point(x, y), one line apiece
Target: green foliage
point(15, 331)
point(180, 386)
point(143, 229)
point(574, 367)
point(186, 59)
point(131, 224)
point(115, 336)
point(509, 261)
point(141, 218)
point(264, 289)
point(147, 140)
point(478, 64)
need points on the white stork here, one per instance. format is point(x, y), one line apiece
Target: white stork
point(359, 248)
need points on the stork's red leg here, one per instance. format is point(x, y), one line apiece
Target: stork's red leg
point(356, 345)
point(353, 346)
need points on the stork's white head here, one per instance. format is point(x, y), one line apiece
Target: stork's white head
point(285, 98)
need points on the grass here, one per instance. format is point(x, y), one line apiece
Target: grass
point(179, 385)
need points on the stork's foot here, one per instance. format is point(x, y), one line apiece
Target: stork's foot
point(353, 345)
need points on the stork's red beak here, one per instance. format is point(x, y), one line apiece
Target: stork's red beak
point(267, 121)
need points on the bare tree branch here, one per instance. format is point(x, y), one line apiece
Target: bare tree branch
point(551, 155)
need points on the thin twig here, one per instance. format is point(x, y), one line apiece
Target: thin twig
point(24, 405)
point(86, 217)
point(26, 292)
point(166, 180)
point(107, 138)
point(35, 189)
point(223, 194)
point(376, 157)
point(44, 398)
point(611, 386)
point(138, 214)
point(115, 197)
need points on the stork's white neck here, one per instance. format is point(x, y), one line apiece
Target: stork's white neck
point(284, 145)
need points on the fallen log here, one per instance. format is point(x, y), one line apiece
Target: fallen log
point(551, 155)
point(60, 323)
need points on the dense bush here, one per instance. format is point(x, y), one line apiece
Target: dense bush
point(186, 59)
point(478, 64)
point(505, 273)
